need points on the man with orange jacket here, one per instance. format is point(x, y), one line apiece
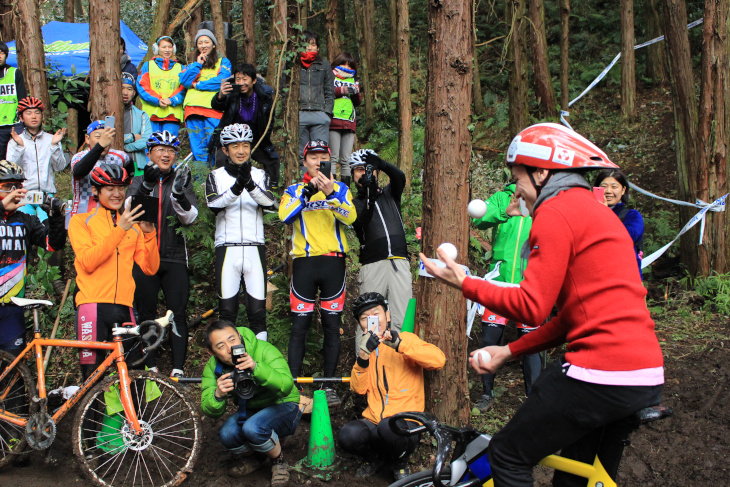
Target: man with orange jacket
point(391, 377)
point(107, 243)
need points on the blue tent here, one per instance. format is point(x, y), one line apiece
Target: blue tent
point(67, 44)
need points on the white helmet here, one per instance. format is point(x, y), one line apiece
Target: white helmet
point(237, 132)
point(358, 158)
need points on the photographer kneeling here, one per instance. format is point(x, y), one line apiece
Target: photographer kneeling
point(262, 386)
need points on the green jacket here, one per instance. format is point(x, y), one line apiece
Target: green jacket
point(508, 236)
point(274, 382)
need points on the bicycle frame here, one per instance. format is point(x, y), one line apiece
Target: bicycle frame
point(116, 355)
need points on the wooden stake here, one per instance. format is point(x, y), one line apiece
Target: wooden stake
point(55, 325)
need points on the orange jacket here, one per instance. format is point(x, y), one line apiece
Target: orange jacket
point(105, 255)
point(393, 381)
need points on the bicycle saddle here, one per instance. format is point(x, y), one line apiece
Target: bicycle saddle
point(30, 303)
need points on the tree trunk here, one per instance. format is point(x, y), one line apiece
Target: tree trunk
point(393, 14)
point(106, 73)
point(334, 47)
point(216, 14)
point(519, 115)
point(368, 44)
point(277, 37)
point(628, 61)
point(446, 167)
point(249, 31)
point(405, 117)
point(476, 96)
point(685, 120)
point(68, 12)
point(162, 13)
point(7, 30)
point(714, 135)
point(543, 81)
point(291, 117)
point(184, 16)
point(656, 54)
point(564, 54)
point(364, 63)
point(29, 47)
point(191, 29)
point(227, 7)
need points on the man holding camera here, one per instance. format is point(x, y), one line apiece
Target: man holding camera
point(379, 228)
point(389, 371)
point(173, 189)
point(245, 98)
point(255, 375)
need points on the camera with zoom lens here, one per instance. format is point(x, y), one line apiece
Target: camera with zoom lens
point(243, 382)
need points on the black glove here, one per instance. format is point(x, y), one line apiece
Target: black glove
point(369, 342)
point(151, 178)
point(374, 160)
point(243, 180)
point(394, 341)
point(309, 191)
point(181, 182)
point(54, 206)
point(352, 89)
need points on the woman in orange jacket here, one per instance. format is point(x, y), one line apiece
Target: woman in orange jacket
point(107, 243)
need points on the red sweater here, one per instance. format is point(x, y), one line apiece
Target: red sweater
point(583, 260)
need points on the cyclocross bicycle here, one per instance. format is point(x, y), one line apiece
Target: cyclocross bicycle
point(469, 465)
point(134, 428)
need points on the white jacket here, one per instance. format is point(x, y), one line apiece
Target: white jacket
point(39, 159)
point(239, 218)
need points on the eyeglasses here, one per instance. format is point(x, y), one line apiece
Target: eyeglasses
point(162, 150)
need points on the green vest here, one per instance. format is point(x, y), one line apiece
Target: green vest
point(165, 83)
point(8, 98)
point(344, 109)
point(197, 98)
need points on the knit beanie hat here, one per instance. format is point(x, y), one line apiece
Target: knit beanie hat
point(206, 33)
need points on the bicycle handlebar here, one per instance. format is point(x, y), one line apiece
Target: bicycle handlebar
point(150, 332)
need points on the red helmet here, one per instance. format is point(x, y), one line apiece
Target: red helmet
point(29, 102)
point(553, 146)
point(109, 175)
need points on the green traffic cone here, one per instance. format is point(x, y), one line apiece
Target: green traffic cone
point(109, 438)
point(321, 441)
point(409, 321)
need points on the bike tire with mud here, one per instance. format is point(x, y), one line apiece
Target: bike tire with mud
point(425, 479)
point(17, 391)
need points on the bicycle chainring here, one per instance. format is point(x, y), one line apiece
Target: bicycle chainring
point(40, 431)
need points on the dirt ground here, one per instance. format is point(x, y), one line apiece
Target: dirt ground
point(691, 448)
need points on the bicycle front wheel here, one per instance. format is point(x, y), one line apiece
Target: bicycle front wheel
point(16, 392)
point(425, 479)
point(110, 452)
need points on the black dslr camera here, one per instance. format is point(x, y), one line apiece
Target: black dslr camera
point(243, 383)
point(369, 171)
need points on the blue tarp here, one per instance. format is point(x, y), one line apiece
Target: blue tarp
point(67, 44)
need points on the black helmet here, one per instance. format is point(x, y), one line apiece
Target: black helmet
point(368, 301)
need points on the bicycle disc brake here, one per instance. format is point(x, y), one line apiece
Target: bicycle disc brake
point(40, 431)
point(134, 441)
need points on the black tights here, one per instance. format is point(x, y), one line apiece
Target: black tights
point(370, 441)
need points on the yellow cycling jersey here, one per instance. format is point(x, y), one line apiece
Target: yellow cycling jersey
point(318, 222)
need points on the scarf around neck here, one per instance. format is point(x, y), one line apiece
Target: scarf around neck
point(343, 73)
point(308, 58)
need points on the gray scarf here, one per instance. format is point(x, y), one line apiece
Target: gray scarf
point(560, 181)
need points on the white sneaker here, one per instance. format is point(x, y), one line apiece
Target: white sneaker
point(177, 373)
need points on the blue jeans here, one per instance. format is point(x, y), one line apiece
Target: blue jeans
point(260, 432)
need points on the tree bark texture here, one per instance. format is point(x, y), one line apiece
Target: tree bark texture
point(7, 29)
point(106, 73)
point(72, 119)
point(362, 28)
point(277, 36)
point(628, 61)
point(519, 116)
point(29, 44)
point(368, 44)
point(476, 96)
point(191, 30)
point(685, 120)
point(405, 116)
point(540, 64)
point(162, 14)
point(291, 118)
point(216, 13)
point(564, 53)
point(248, 20)
point(656, 54)
point(68, 11)
point(334, 46)
point(714, 135)
point(446, 166)
point(393, 14)
point(184, 16)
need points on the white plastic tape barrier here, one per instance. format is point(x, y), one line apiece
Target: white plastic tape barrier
point(699, 217)
point(423, 272)
point(699, 203)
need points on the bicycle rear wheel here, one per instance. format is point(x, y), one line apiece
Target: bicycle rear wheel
point(16, 392)
point(112, 455)
point(425, 479)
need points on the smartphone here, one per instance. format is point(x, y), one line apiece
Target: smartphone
point(33, 198)
point(599, 193)
point(232, 80)
point(150, 205)
point(373, 322)
point(235, 88)
point(109, 122)
point(325, 167)
point(19, 128)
